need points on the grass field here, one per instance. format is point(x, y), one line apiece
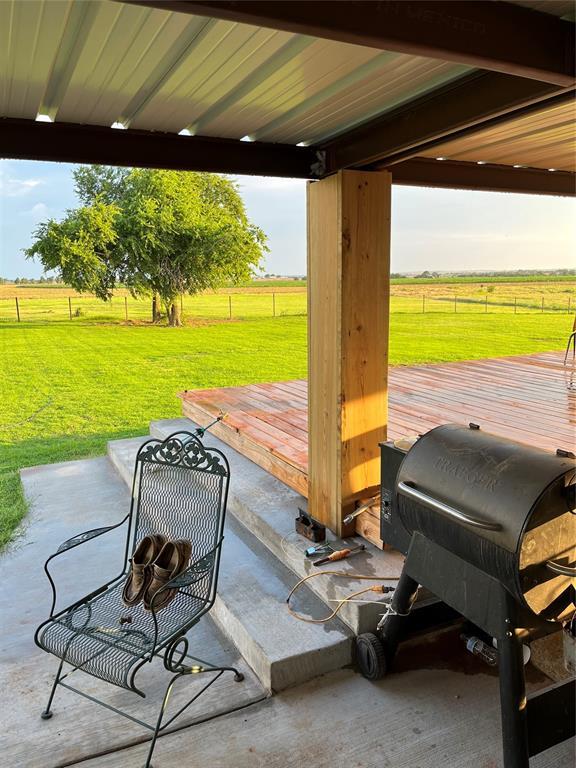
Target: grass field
point(67, 388)
point(268, 299)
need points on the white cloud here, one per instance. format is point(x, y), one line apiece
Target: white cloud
point(37, 212)
point(10, 187)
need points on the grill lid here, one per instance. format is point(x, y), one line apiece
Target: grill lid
point(494, 484)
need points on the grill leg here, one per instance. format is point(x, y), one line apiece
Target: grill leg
point(400, 606)
point(513, 702)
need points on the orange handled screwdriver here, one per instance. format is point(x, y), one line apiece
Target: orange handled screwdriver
point(340, 554)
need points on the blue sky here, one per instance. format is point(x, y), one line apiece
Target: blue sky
point(431, 229)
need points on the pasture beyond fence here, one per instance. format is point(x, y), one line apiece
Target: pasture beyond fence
point(240, 306)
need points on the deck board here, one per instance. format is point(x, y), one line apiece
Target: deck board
point(531, 398)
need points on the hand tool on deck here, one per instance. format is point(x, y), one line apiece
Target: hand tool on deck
point(371, 502)
point(340, 554)
point(319, 549)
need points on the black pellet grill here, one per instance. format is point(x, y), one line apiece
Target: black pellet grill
point(488, 526)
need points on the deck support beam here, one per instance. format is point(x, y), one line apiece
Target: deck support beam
point(348, 314)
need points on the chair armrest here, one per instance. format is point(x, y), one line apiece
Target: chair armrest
point(75, 541)
point(80, 538)
point(195, 571)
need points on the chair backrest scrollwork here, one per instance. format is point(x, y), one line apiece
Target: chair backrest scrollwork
point(180, 490)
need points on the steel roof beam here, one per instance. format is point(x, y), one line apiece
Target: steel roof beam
point(178, 54)
point(486, 34)
point(73, 143)
point(452, 174)
point(78, 27)
point(287, 52)
point(465, 105)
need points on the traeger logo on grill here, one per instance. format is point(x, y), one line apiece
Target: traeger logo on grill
point(488, 481)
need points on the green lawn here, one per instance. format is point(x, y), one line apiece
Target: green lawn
point(67, 388)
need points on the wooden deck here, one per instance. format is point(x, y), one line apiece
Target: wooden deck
point(530, 398)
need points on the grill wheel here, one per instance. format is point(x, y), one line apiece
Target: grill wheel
point(371, 656)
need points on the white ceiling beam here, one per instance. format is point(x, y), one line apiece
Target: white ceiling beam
point(285, 55)
point(78, 26)
point(184, 47)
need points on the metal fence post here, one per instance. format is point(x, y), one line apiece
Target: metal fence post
point(70, 307)
point(17, 308)
point(273, 305)
point(229, 307)
point(126, 306)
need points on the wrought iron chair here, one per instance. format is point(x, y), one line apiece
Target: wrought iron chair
point(180, 489)
point(571, 341)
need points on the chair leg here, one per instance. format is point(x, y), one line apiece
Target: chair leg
point(571, 341)
point(238, 677)
point(47, 713)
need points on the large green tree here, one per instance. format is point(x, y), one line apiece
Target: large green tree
point(159, 233)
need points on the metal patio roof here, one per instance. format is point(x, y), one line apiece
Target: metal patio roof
point(160, 68)
point(101, 63)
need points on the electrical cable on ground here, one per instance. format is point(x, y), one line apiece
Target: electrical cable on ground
point(380, 588)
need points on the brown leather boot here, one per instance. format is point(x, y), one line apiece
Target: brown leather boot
point(172, 560)
point(140, 572)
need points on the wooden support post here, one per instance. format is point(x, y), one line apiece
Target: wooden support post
point(17, 309)
point(273, 305)
point(348, 314)
point(126, 306)
point(70, 307)
point(230, 307)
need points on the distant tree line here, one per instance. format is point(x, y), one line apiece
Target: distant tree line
point(44, 280)
point(503, 273)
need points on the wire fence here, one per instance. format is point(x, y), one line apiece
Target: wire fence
point(242, 306)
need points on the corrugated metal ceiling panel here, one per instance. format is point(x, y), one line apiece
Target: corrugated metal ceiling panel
point(544, 139)
point(101, 62)
point(559, 8)
point(27, 52)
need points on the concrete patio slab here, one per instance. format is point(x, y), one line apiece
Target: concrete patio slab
point(64, 500)
point(430, 718)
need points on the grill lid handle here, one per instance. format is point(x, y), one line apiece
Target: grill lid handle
point(445, 509)
point(560, 569)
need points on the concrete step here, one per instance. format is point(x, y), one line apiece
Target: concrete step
point(251, 603)
point(267, 508)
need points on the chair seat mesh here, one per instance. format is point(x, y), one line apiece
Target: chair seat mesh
point(91, 636)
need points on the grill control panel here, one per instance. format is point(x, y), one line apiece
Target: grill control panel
point(392, 531)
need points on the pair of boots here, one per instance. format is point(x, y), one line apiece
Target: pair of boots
point(155, 562)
